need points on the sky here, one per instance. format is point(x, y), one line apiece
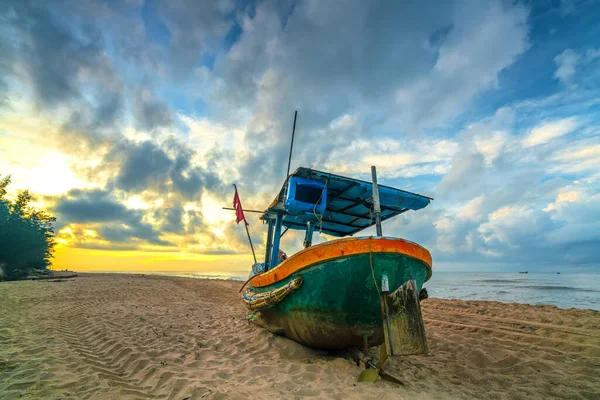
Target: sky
point(131, 120)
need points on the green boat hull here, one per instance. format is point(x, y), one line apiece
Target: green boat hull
point(338, 304)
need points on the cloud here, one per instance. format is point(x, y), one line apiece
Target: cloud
point(465, 167)
point(90, 206)
point(142, 166)
point(195, 28)
point(123, 234)
point(566, 63)
point(109, 218)
point(322, 61)
point(468, 62)
point(577, 208)
point(571, 61)
point(152, 110)
point(173, 219)
point(54, 59)
point(579, 159)
point(547, 131)
point(164, 167)
point(151, 113)
point(71, 75)
point(499, 201)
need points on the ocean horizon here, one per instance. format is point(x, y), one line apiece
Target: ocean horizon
point(563, 290)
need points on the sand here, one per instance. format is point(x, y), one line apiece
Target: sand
point(132, 336)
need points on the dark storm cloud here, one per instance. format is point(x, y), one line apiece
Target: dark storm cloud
point(147, 165)
point(354, 71)
point(171, 218)
point(119, 234)
point(106, 246)
point(65, 65)
point(397, 65)
point(142, 166)
point(224, 251)
point(151, 113)
point(363, 50)
point(75, 71)
point(5, 70)
point(189, 179)
point(52, 54)
point(93, 206)
point(195, 222)
point(189, 185)
point(113, 221)
point(195, 27)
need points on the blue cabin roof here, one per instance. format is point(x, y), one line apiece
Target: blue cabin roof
point(348, 206)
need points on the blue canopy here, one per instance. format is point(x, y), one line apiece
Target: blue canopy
point(348, 206)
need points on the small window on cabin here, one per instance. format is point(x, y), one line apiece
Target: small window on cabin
point(308, 194)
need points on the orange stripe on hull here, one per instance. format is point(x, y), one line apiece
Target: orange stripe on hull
point(340, 248)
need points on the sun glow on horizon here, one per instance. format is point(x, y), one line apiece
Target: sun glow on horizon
point(90, 260)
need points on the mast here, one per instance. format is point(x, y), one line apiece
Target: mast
point(291, 145)
point(276, 235)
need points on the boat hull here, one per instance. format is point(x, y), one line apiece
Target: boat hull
point(338, 304)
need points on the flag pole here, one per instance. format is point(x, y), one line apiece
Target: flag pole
point(247, 231)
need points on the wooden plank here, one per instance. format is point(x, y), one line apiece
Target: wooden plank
point(406, 322)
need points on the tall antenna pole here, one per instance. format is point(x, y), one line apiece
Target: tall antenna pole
point(291, 145)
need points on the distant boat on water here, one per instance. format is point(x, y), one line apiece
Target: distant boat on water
point(523, 272)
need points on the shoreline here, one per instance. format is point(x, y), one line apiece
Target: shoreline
point(241, 280)
point(131, 336)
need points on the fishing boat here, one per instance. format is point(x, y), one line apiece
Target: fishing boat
point(351, 291)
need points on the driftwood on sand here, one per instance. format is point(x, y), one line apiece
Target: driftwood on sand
point(54, 275)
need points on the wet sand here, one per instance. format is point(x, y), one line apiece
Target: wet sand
point(110, 336)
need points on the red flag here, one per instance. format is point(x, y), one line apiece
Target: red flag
point(239, 212)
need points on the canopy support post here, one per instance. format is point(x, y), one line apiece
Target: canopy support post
point(376, 203)
point(269, 245)
point(309, 234)
point(276, 240)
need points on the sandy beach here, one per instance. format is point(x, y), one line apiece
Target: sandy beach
point(110, 336)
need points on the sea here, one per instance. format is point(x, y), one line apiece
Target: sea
point(564, 290)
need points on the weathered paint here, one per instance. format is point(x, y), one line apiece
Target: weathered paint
point(341, 248)
point(339, 302)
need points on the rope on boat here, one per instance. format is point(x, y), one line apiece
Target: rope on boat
point(262, 301)
point(371, 265)
point(374, 279)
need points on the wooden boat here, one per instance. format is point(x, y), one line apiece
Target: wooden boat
point(329, 295)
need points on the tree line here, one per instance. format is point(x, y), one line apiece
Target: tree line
point(26, 236)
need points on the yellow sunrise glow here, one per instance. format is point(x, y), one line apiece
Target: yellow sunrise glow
point(212, 209)
point(46, 171)
point(77, 259)
point(136, 203)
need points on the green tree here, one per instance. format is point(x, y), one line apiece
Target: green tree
point(26, 235)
